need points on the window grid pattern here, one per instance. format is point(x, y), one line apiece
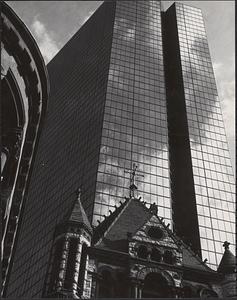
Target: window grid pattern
point(135, 124)
point(213, 175)
point(68, 151)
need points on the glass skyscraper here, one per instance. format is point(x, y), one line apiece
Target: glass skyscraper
point(133, 85)
point(211, 165)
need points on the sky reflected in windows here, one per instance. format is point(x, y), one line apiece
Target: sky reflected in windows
point(135, 124)
point(213, 175)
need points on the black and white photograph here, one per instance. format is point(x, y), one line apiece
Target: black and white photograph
point(118, 149)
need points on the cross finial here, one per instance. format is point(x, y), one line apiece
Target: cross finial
point(153, 208)
point(226, 245)
point(133, 173)
point(78, 193)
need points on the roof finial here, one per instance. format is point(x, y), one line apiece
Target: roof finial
point(226, 245)
point(133, 173)
point(78, 194)
point(153, 208)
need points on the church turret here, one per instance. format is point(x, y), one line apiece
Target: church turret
point(227, 267)
point(68, 265)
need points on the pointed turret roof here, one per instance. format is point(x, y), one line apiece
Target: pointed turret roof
point(77, 213)
point(228, 261)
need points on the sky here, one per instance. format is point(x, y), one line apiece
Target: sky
point(53, 23)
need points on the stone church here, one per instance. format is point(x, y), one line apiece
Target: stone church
point(131, 254)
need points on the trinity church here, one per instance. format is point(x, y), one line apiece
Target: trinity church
point(132, 253)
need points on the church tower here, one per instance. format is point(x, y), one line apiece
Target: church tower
point(227, 268)
point(67, 271)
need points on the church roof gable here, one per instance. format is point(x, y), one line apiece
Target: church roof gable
point(130, 219)
point(155, 231)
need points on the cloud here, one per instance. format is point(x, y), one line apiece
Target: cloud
point(45, 41)
point(226, 91)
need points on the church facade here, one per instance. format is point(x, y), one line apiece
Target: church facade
point(132, 253)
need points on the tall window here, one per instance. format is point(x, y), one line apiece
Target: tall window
point(56, 264)
point(106, 285)
point(82, 271)
point(71, 263)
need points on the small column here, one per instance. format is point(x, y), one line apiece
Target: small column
point(62, 268)
point(140, 287)
point(134, 289)
point(96, 278)
point(77, 268)
point(94, 285)
point(84, 289)
point(174, 292)
point(4, 156)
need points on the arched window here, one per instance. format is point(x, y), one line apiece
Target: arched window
point(207, 293)
point(142, 252)
point(106, 285)
point(156, 255)
point(155, 286)
point(169, 257)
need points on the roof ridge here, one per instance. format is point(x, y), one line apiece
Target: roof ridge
point(196, 256)
point(104, 226)
point(115, 217)
point(143, 203)
point(180, 242)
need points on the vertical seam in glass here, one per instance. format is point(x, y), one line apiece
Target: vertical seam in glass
point(166, 117)
point(106, 88)
point(134, 69)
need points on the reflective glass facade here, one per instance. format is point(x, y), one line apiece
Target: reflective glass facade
point(68, 151)
point(135, 118)
point(212, 170)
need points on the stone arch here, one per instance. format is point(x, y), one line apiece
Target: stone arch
point(107, 282)
point(156, 283)
point(207, 293)
point(106, 268)
point(29, 87)
point(147, 270)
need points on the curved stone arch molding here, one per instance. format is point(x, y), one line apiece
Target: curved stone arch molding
point(107, 268)
point(141, 275)
point(20, 44)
